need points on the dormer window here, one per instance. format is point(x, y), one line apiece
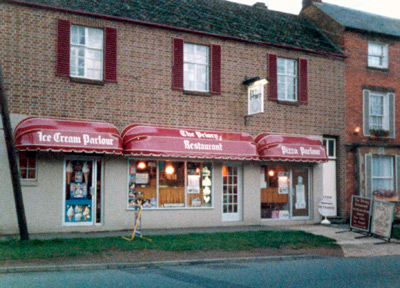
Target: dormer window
point(378, 55)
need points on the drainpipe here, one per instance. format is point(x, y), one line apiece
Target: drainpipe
point(12, 159)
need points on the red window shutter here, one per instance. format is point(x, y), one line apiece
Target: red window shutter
point(272, 77)
point(63, 47)
point(177, 66)
point(303, 81)
point(110, 55)
point(215, 69)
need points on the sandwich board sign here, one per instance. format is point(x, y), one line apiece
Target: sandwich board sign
point(360, 213)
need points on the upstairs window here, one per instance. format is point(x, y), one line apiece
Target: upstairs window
point(378, 107)
point(287, 79)
point(377, 55)
point(86, 59)
point(378, 114)
point(196, 67)
point(86, 53)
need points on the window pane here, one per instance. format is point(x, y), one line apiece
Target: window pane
point(142, 187)
point(281, 66)
point(74, 35)
point(202, 55)
point(171, 184)
point(189, 53)
point(93, 54)
point(31, 174)
point(291, 89)
point(95, 38)
point(201, 77)
point(291, 68)
point(23, 173)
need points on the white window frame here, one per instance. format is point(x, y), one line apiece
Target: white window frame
point(74, 61)
point(385, 114)
point(382, 57)
point(391, 177)
point(288, 80)
point(197, 66)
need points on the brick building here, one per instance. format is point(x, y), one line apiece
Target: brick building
point(371, 44)
point(99, 92)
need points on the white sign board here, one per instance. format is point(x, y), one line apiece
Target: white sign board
point(256, 99)
point(382, 218)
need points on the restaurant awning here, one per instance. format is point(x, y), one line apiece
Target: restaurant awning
point(173, 142)
point(65, 135)
point(290, 148)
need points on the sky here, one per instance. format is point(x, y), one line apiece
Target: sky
point(389, 8)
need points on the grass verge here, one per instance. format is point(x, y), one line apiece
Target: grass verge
point(15, 249)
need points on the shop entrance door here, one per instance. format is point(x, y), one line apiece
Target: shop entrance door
point(300, 192)
point(285, 192)
point(232, 193)
point(82, 191)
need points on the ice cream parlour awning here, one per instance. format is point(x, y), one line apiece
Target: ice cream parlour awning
point(290, 148)
point(67, 135)
point(173, 142)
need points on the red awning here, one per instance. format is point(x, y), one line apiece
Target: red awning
point(290, 148)
point(48, 134)
point(142, 140)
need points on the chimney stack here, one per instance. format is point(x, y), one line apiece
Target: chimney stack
point(307, 3)
point(260, 5)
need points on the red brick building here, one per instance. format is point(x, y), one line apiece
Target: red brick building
point(371, 44)
point(165, 65)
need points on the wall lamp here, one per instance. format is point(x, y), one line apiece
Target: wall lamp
point(356, 131)
point(254, 81)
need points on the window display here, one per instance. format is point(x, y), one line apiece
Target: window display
point(169, 184)
point(78, 204)
point(142, 184)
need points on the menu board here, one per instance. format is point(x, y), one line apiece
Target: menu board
point(360, 213)
point(382, 218)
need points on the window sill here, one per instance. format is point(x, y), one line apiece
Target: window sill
point(29, 182)
point(290, 103)
point(87, 81)
point(381, 69)
point(196, 93)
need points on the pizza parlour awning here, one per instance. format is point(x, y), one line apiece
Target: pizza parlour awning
point(65, 135)
point(173, 142)
point(290, 148)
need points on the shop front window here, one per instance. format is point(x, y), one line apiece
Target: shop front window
point(284, 192)
point(169, 184)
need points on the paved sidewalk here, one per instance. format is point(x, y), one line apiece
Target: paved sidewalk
point(352, 246)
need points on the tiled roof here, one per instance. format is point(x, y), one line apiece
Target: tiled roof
point(211, 16)
point(361, 20)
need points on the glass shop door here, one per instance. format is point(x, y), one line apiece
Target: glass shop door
point(82, 191)
point(300, 192)
point(232, 193)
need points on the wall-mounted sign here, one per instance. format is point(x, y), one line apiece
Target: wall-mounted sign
point(360, 213)
point(256, 99)
point(382, 218)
